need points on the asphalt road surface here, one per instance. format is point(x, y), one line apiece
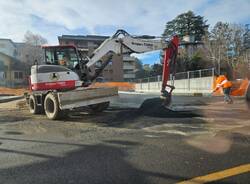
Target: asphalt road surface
point(122, 145)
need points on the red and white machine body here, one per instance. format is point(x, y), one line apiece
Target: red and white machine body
point(53, 77)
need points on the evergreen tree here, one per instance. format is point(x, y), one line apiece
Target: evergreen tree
point(187, 24)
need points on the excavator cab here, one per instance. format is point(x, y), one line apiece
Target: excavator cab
point(65, 55)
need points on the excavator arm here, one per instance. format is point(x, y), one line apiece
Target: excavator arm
point(169, 63)
point(123, 43)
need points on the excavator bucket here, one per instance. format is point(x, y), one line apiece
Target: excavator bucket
point(166, 100)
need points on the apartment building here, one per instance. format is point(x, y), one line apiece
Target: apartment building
point(12, 71)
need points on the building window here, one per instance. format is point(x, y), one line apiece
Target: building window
point(15, 75)
point(18, 75)
point(2, 75)
point(83, 44)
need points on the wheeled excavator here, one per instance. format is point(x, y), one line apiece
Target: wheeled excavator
point(63, 81)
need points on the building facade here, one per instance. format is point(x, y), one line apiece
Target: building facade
point(189, 46)
point(117, 70)
point(8, 47)
point(129, 68)
point(12, 71)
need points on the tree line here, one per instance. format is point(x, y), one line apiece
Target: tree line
point(225, 46)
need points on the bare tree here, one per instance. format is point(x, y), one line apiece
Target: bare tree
point(224, 44)
point(32, 50)
point(219, 44)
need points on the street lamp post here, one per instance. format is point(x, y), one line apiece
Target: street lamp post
point(216, 64)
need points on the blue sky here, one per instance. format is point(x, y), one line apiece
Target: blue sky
point(52, 18)
point(149, 58)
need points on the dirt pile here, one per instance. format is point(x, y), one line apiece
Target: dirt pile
point(122, 86)
point(15, 104)
point(12, 91)
point(154, 107)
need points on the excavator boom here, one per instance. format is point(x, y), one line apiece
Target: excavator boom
point(123, 43)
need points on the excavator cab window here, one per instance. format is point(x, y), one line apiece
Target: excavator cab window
point(65, 56)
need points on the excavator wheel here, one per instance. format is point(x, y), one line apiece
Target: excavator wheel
point(99, 107)
point(51, 107)
point(33, 107)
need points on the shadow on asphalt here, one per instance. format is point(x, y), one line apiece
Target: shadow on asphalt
point(100, 163)
point(12, 118)
point(122, 142)
point(40, 141)
point(13, 133)
point(220, 182)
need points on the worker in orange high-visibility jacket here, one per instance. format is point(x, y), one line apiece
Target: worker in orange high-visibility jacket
point(226, 85)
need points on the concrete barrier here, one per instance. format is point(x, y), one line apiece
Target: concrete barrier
point(202, 85)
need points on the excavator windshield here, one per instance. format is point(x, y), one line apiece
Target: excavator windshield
point(61, 55)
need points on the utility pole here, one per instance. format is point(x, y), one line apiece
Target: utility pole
point(219, 61)
point(247, 44)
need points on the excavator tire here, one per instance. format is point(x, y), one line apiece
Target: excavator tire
point(33, 107)
point(51, 107)
point(99, 107)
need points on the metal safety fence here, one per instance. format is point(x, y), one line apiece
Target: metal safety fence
point(190, 82)
point(181, 75)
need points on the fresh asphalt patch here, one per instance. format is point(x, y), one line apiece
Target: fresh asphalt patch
point(154, 107)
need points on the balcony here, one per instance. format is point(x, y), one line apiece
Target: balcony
point(127, 66)
point(129, 75)
point(128, 58)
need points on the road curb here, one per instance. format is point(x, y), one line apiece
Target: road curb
point(11, 99)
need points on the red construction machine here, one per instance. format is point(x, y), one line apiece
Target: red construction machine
point(63, 81)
